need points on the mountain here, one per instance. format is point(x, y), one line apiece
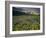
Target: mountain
point(25, 11)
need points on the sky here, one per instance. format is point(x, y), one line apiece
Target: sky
point(24, 9)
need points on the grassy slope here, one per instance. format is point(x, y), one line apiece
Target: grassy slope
point(26, 22)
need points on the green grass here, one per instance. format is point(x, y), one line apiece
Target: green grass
point(26, 22)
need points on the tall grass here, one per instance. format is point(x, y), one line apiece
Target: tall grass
point(26, 22)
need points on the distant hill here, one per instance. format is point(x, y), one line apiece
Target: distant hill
point(16, 13)
point(26, 11)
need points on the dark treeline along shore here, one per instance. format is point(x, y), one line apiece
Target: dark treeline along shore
point(26, 19)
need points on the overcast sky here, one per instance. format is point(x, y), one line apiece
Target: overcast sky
point(26, 9)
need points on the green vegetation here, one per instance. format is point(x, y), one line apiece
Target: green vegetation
point(26, 22)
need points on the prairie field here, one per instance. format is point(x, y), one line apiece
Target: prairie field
point(26, 22)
